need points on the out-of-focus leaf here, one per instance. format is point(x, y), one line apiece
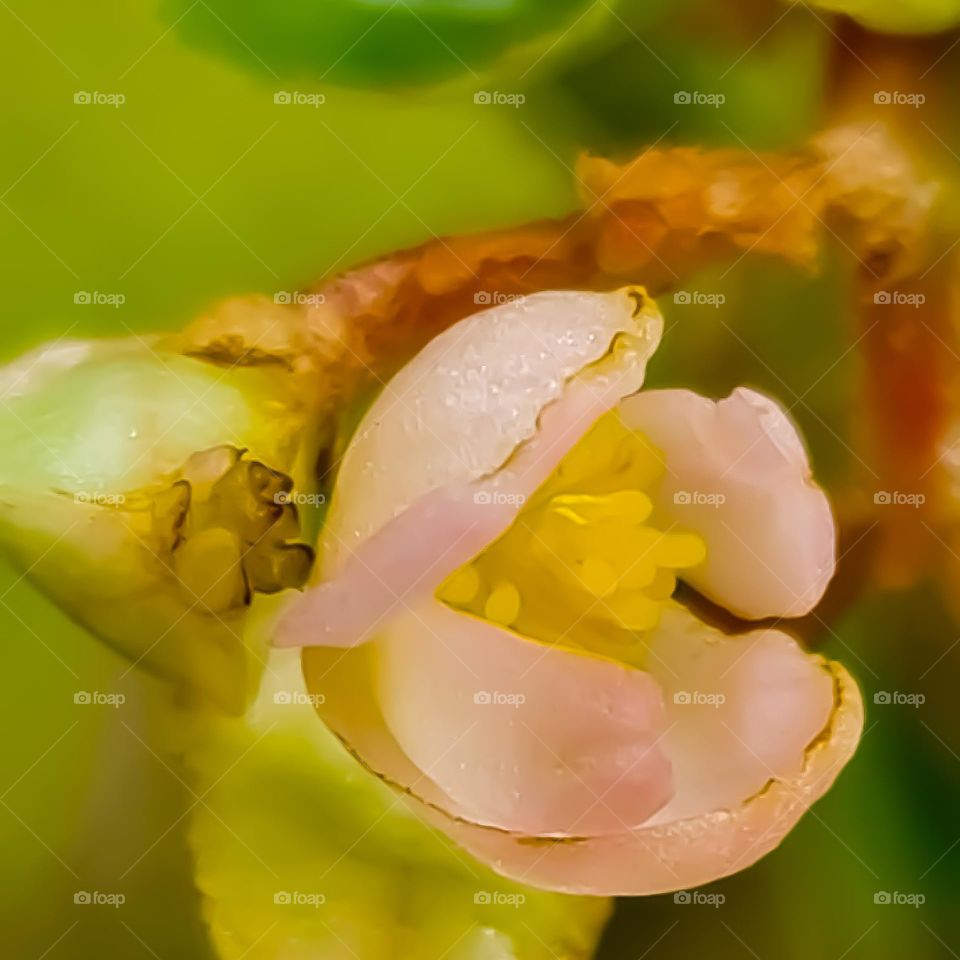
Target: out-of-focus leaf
point(757, 74)
point(372, 42)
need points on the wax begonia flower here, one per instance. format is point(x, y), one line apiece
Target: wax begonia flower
point(494, 631)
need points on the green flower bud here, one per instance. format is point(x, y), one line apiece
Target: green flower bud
point(153, 494)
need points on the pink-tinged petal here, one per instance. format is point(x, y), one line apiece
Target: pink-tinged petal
point(458, 411)
point(406, 560)
point(740, 709)
point(685, 853)
point(589, 732)
point(782, 759)
point(520, 735)
point(737, 474)
point(400, 564)
point(422, 531)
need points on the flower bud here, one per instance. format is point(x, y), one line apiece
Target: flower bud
point(150, 494)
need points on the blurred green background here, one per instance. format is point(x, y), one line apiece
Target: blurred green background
point(199, 185)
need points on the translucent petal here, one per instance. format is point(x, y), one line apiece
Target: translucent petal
point(738, 475)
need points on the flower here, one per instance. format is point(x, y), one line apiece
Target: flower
point(495, 628)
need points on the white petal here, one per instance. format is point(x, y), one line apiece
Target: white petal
point(737, 473)
point(790, 722)
point(424, 485)
point(679, 854)
point(740, 710)
point(460, 409)
point(529, 737)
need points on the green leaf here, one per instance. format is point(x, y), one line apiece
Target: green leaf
point(370, 42)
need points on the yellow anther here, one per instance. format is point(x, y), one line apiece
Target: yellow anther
point(678, 550)
point(635, 611)
point(463, 586)
point(632, 505)
point(639, 574)
point(503, 604)
point(642, 542)
point(568, 513)
point(627, 506)
point(590, 570)
point(661, 586)
point(598, 576)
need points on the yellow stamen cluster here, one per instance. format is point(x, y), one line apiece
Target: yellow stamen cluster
point(582, 565)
